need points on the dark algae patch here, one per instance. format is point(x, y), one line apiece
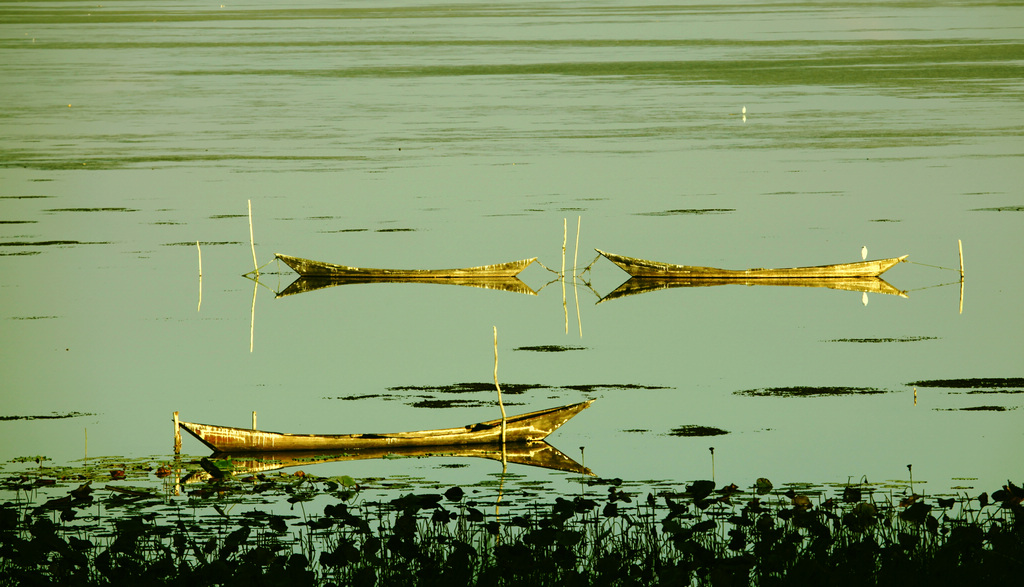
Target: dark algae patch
point(51, 416)
point(550, 348)
point(695, 430)
point(91, 210)
point(802, 391)
point(984, 383)
point(327, 531)
point(870, 340)
point(688, 211)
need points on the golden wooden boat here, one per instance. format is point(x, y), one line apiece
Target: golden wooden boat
point(531, 427)
point(644, 268)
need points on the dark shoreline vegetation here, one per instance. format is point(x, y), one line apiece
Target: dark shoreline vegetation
point(210, 523)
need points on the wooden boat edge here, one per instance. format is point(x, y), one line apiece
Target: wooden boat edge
point(309, 267)
point(477, 433)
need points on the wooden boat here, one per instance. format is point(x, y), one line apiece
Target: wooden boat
point(531, 427)
point(645, 268)
point(308, 268)
point(639, 285)
point(534, 454)
point(308, 284)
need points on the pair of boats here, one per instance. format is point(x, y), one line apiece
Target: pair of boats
point(644, 276)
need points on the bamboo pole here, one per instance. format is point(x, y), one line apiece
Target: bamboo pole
point(565, 231)
point(254, 419)
point(575, 291)
point(501, 404)
point(961, 245)
point(565, 307)
point(576, 252)
point(177, 434)
point(200, 305)
point(252, 315)
point(252, 243)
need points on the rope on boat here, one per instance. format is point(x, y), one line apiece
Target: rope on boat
point(257, 270)
point(933, 266)
point(937, 285)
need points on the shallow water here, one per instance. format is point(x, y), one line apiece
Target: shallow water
point(465, 134)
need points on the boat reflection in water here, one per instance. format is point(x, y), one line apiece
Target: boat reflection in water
point(639, 285)
point(533, 454)
point(308, 284)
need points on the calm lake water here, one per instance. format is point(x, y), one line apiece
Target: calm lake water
point(400, 134)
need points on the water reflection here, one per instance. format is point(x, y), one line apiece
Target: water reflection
point(309, 284)
point(640, 285)
point(533, 454)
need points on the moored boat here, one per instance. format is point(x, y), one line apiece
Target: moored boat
point(309, 268)
point(644, 268)
point(531, 427)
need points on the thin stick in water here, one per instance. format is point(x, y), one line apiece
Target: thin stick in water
point(252, 243)
point(200, 305)
point(501, 404)
point(177, 434)
point(254, 419)
point(961, 245)
point(565, 231)
point(577, 251)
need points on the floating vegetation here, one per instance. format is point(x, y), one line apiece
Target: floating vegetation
point(977, 409)
point(1000, 209)
point(452, 403)
point(51, 416)
point(695, 430)
point(91, 210)
point(595, 387)
point(59, 243)
point(223, 216)
point(550, 348)
point(204, 243)
point(506, 388)
point(395, 230)
point(33, 317)
point(685, 211)
point(986, 383)
point(25, 197)
point(194, 532)
point(18, 221)
point(802, 391)
point(869, 340)
point(885, 220)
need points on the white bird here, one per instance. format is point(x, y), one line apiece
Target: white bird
point(864, 252)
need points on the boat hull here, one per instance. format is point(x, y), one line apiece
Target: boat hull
point(644, 268)
point(309, 268)
point(531, 427)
